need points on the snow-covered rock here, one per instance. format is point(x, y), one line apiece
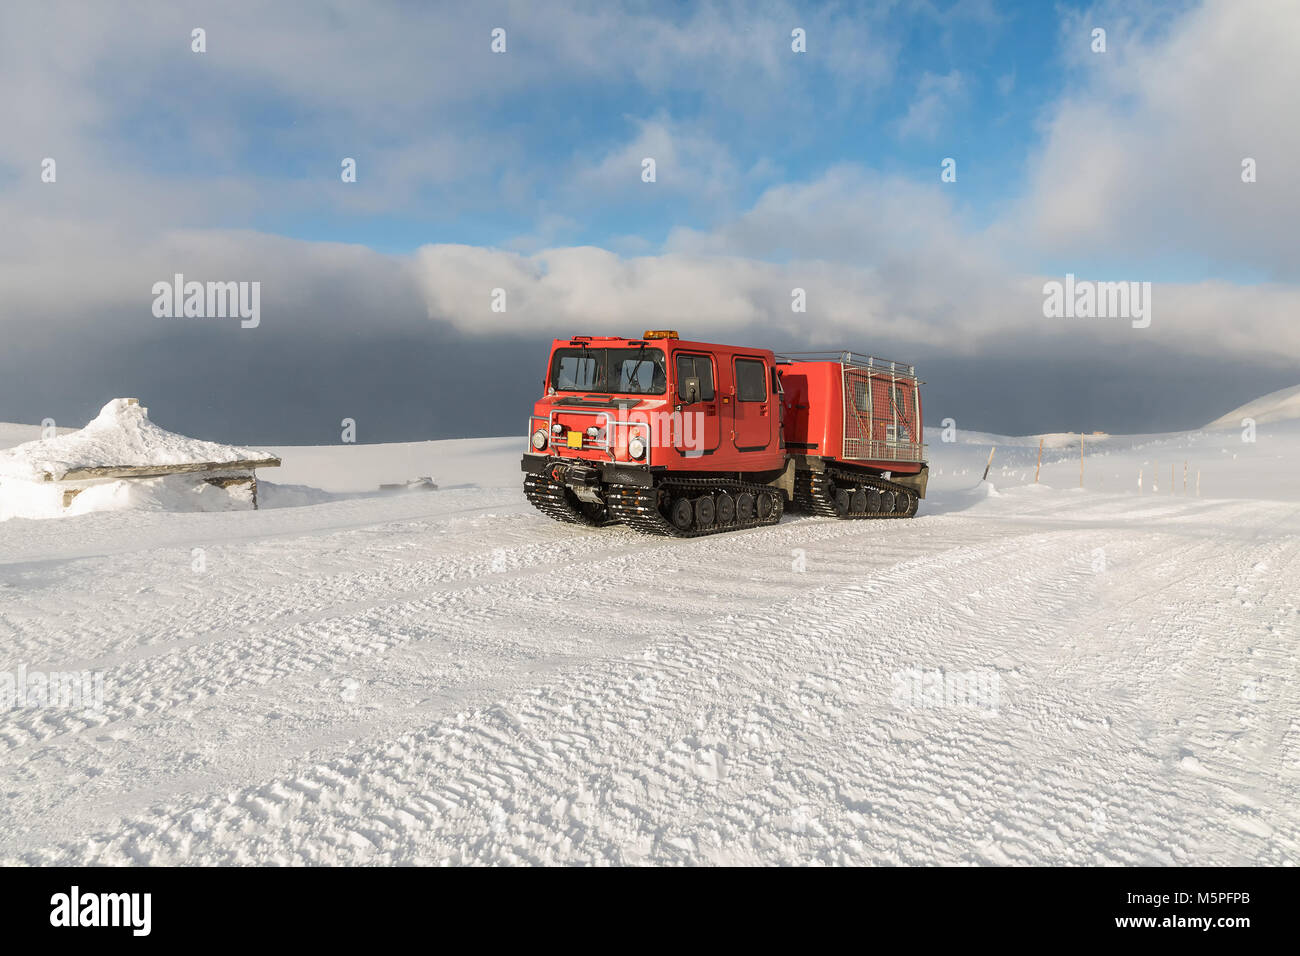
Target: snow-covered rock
point(120, 436)
point(32, 475)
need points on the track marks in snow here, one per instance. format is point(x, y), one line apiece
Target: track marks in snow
point(754, 740)
point(741, 712)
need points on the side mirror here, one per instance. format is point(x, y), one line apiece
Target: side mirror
point(688, 390)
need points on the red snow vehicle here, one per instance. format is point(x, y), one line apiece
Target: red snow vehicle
point(691, 438)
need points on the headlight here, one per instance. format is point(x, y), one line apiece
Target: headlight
point(539, 439)
point(636, 447)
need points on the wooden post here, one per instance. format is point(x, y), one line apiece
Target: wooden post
point(990, 463)
point(1184, 476)
point(1039, 466)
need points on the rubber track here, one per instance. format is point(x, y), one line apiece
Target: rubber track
point(550, 499)
point(638, 508)
point(813, 493)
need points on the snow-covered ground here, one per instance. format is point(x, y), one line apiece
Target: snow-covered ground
point(1027, 674)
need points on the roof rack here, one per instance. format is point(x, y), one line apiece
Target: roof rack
point(855, 359)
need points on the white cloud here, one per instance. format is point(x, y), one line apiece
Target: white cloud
point(117, 95)
point(686, 161)
point(1143, 160)
point(936, 96)
point(880, 260)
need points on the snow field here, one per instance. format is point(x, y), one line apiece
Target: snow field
point(450, 677)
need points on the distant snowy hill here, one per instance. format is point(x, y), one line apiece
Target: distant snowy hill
point(1282, 405)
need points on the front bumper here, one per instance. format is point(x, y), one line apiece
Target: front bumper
point(581, 473)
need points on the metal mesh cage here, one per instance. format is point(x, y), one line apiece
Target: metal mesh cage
point(880, 420)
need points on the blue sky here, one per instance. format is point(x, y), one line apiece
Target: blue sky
point(1003, 63)
point(1004, 60)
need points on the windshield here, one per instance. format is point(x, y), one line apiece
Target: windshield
point(635, 371)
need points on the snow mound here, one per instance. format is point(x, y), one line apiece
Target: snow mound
point(1070, 439)
point(1282, 405)
point(120, 436)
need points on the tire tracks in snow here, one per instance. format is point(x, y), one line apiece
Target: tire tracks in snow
point(764, 732)
point(529, 755)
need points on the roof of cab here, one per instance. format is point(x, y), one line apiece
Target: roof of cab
point(673, 343)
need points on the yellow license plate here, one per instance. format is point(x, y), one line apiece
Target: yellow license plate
point(575, 439)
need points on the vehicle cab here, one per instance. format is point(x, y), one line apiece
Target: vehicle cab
point(626, 408)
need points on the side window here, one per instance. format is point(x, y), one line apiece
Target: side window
point(697, 366)
point(862, 394)
point(751, 381)
point(901, 431)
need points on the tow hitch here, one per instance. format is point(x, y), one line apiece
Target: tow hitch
point(582, 480)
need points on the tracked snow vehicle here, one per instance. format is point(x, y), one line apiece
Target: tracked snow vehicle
point(683, 438)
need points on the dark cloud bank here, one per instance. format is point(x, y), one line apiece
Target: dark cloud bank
point(293, 382)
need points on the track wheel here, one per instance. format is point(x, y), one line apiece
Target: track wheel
point(887, 502)
point(726, 508)
point(682, 514)
point(744, 506)
point(858, 504)
point(904, 504)
point(766, 504)
point(843, 501)
point(704, 511)
point(873, 501)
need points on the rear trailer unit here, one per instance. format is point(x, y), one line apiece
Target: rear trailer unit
point(853, 427)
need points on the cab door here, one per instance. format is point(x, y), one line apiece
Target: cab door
point(753, 420)
point(697, 430)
